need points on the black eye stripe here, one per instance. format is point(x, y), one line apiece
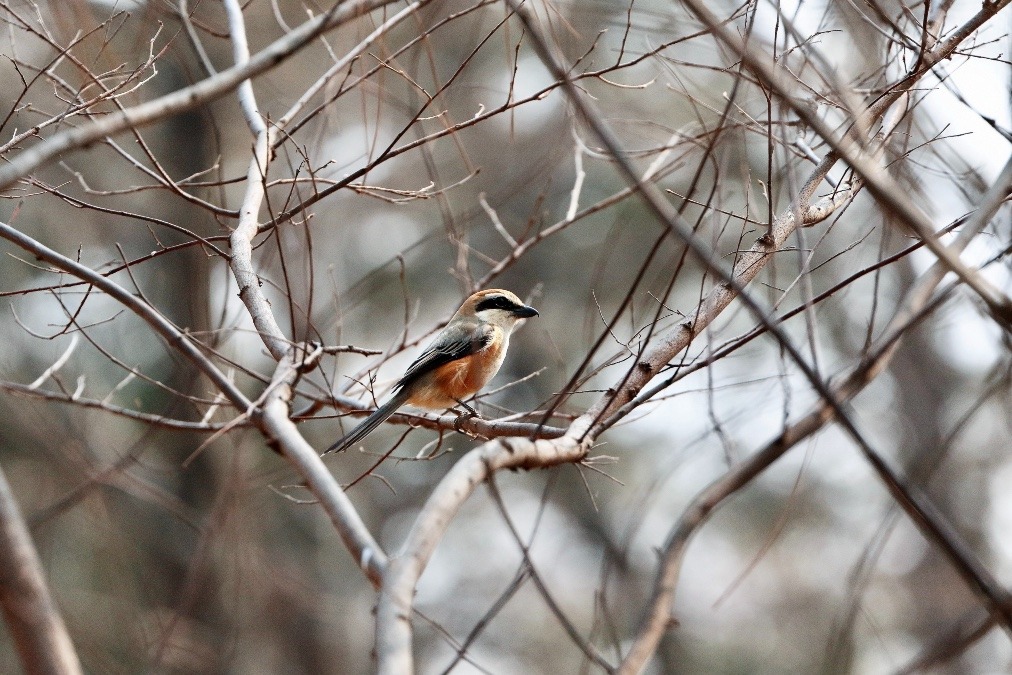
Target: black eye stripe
point(495, 302)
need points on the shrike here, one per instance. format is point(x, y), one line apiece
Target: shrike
point(465, 355)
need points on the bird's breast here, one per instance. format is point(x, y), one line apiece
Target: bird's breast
point(461, 378)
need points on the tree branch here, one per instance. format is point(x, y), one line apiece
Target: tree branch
point(37, 629)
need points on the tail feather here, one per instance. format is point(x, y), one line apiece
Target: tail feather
point(370, 423)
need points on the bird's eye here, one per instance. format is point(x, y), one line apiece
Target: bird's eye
point(495, 302)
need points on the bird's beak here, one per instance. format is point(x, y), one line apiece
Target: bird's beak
point(525, 312)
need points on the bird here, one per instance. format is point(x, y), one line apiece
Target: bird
point(458, 362)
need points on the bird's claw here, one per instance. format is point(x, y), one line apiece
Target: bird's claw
point(469, 413)
point(463, 417)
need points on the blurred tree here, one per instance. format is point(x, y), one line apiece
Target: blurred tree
point(769, 245)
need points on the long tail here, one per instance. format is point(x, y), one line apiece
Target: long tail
point(370, 423)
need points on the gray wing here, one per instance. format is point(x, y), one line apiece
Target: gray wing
point(453, 343)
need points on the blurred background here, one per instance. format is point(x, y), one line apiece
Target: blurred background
point(453, 162)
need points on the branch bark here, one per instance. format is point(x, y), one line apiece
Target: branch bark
point(277, 424)
point(393, 617)
point(36, 626)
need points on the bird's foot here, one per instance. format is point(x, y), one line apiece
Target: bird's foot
point(470, 413)
point(463, 417)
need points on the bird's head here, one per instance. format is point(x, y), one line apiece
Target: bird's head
point(498, 307)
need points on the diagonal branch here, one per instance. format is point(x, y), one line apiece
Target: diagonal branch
point(36, 627)
point(916, 305)
point(920, 509)
point(277, 424)
point(176, 338)
point(884, 188)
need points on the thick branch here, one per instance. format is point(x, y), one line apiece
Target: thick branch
point(275, 417)
point(393, 620)
point(242, 238)
point(37, 629)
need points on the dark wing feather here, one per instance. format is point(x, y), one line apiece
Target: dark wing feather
point(464, 340)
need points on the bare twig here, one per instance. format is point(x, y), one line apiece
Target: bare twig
point(885, 189)
point(657, 621)
point(176, 338)
point(184, 99)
